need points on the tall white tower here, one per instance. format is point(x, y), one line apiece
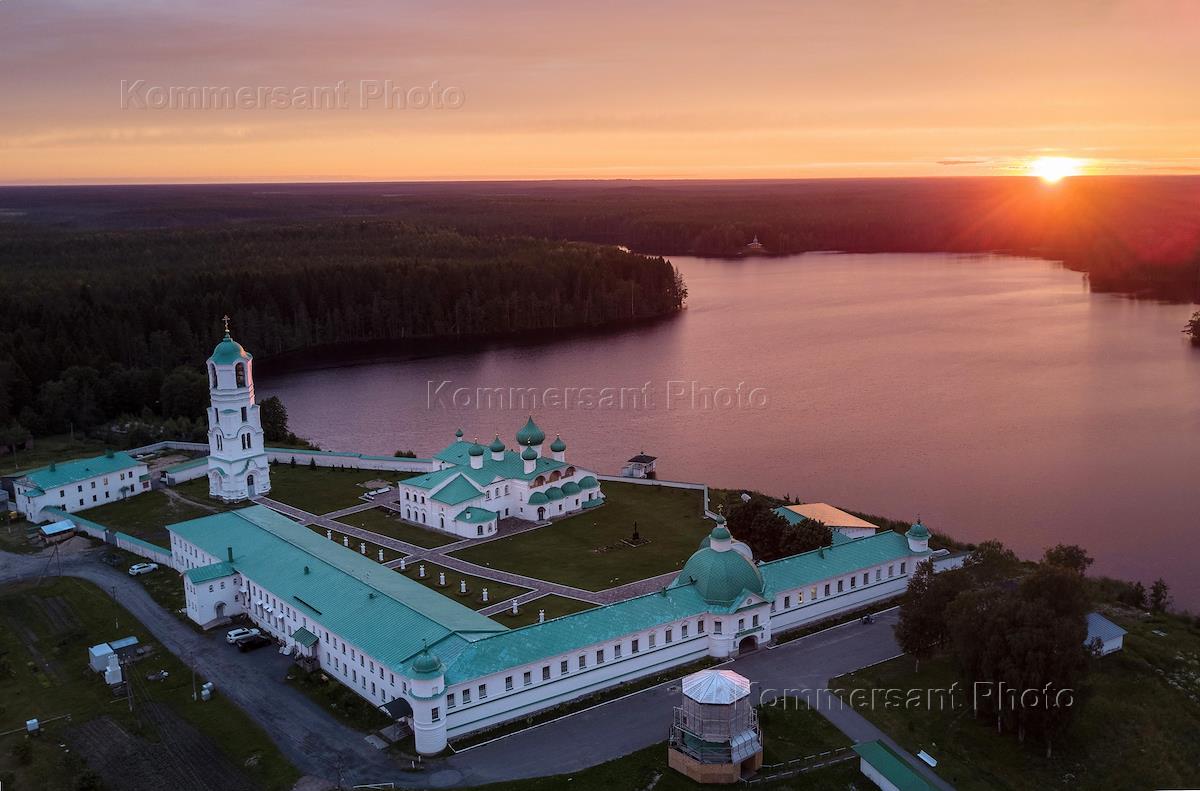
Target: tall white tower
point(237, 462)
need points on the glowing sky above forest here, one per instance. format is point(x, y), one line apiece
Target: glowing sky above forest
point(618, 89)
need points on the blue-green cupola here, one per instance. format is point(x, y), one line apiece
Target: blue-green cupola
point(558, 446)
point(229, 351)
point(719, 573)
point(530, 434)
point(529, 454)
point(458, 435)
point(497, 445)
point(918, 537)
point(476, 449)
point(426, 666)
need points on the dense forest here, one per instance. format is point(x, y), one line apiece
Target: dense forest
point(102, 324)
point(1135, 235)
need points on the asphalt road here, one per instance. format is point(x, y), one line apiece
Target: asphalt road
point(318, 745)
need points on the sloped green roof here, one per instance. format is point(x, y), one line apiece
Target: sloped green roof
point(509, 466)
point(384, 613)
point(304, 637)
point(588, 482)
point(187, 465)
point(791, 517)
point(891, 766)
point(475, 515)
point(570, 487)
point(63, 473)
point(554, 493)
point(213, 571)
point(538, 498)
point(459, 490)
point(229, 351)
point(570, 632)
point(819, 564)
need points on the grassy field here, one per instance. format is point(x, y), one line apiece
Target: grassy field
point(1136, 725)
point(587, 550)
point(145, 515)
point(48, 449)
point(497, 591)
point(320, 490)
point(372, 548)
point(15, 537)
point(43, 673)
point(555, 606)
point(787, 733)
point(386, 523)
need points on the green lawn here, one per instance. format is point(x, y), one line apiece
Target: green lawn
point(1135, 726)
point(145, 515)
point(554, 605)
point(787, 734)
point(497, 591)
point(43, 653)
point(19, 536)
point(387, 523)
point(320, 490)
point(59, 447)
point(372, 548)
point(586, 550)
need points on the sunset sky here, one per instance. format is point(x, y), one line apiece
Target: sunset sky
point(609, 90)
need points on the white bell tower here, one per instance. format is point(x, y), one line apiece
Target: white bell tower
point(237, 461)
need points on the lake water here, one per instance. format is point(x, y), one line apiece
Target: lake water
point(993, 396)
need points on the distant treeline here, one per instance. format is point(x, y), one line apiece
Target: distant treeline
point(99, 324)
point(1136, 235)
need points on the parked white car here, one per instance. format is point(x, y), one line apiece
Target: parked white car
point(137, 569)
point(233, 635)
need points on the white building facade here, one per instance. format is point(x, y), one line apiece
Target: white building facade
point(453, 671)
point(80, 484)
point(238, 467)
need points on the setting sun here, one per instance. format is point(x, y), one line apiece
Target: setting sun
point(1054, 169)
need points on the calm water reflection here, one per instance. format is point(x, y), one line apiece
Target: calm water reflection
point(994, 396)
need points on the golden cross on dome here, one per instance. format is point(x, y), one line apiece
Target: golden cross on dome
point(225, 319)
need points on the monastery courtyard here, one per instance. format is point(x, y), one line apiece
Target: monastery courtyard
point(559, 567)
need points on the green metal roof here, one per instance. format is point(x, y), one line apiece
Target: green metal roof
point(570, 487)
point(304, 637)
point(538, 498)
point(67, 472)
point(476, 515)
point(804, 569)
point(595, 502)
point(554, 493)
point(570, 632)
point(213, 571)
point(459, 490)
point(510, 466)
point(918, 531)
point(384, 613)
point(891, 766)
point(229, 351)
point(720, 576)
point(791, 517)
point(588, 482)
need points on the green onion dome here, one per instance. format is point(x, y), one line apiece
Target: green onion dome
point(570, 487)
point(458, 434)
point(588, 482)
point(228, 351)
point(721, 533)
point(529, 454)
point(530, 434)
point(427, 666)
point(558, 446)
point(476, 449)
point(554, 493)
point(538, 498)
point(497, 445)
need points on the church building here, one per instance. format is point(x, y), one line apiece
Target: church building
point(238, 467)
point(474, 486)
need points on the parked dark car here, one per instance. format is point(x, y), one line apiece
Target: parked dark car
point(251, 642)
